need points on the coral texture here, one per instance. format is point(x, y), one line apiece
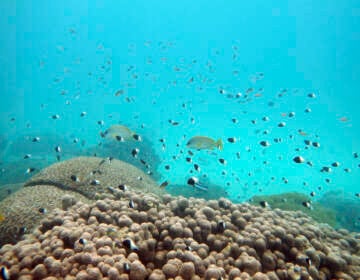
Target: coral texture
point(82, 178)
point(179, 238)
point(91, 176)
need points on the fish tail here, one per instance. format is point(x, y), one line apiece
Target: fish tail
point(219, 144)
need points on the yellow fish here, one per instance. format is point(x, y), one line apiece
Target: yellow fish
point(119, 132)
point(204, 143)
point(2, 218)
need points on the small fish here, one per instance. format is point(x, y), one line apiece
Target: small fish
point(311, 95)
point(119, 92)
point(30, 170)
point(307, 204)
point(281, 124)
point(188, 248)
point(188, 159)
point(83, 114)
point(232, 139)
point(357, 195)
point(4, 273)
point(120, 138)
point(174, 123)
point(57, 149)
point(75, 140)
point(326, 169)
point(265, 118)
point(74, 178)
point(135, 152)
point(36, 139)
point(291, 114)
point(82, 241)
point(167, 167)
point(22, 230)
point(193, 181)
point(42, 210)
point(123, 187)
point(100, 122)
point(137, 137)
point(264, 143)
point(307, 110)
point(131, 204)
point(221, 226)
point(299, 159)
point(127, 267)
point(222, 161)
point(164, 184)
point(95, 182)
point(197, 167)
point(27, 156)
point(204, 143)
point(55, 117)
point(264, 204)
point(312, 194)
point(129, 244)
point(316, 144)
point(335, 164)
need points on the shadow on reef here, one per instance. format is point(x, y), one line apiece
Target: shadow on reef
point(293, 201)
point(6, 190)
point(346, 207)
point(214, 191)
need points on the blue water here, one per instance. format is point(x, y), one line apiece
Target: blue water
point(65, 58)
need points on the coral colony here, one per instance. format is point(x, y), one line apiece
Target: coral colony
point(164, 237)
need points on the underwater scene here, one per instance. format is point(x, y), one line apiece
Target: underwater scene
point(180, 140)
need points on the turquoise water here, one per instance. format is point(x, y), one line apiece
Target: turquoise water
point(64, 58)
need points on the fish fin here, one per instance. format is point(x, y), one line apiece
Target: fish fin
point(219, 144)
point(201, 187)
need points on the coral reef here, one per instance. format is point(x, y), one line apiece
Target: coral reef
point(8, 189)
point(179, 238)
point(83, 178)
point(24, 209)
point(92, 176)
point(346, 207)
point(293, 201)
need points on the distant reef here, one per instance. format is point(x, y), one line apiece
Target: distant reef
point(346, 206)
point(293, 201)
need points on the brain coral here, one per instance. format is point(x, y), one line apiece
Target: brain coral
point(24, 209)
point(92, 176)
point(179, 238)
point(95, 178)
